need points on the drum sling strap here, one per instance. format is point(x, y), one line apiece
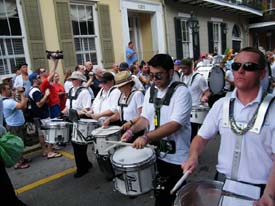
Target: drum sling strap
point(123, 104)
point(254, 125)
point(192, 79)
point(168, 146)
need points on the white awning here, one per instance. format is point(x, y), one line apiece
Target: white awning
point(261, 24)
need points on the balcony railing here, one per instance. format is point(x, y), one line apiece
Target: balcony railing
point(255, 4)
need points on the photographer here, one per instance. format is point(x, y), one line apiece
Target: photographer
point(14, 116)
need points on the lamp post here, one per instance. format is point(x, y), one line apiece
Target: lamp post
point(193, 24)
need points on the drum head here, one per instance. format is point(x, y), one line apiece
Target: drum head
point(216, 80)
point(56, 124)
point(106, 131)
point(200, 193)
point(129, 155)
point(88, 120)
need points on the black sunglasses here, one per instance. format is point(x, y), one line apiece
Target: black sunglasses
point(157, 76)
point(247, 66)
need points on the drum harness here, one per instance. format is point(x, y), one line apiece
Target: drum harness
point(124, 102)
point(166, 146)
point(189, 83)
point(254, 125)
point(73, 116)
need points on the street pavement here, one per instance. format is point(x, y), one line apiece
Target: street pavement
point(51, 182)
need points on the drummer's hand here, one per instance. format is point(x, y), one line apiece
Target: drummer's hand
point(139, 143)
point(126, 125)
point(126, 136)
point(189, 164)
point(266, 200)
point(95, 116)
point(204, 99)
point(106, 123)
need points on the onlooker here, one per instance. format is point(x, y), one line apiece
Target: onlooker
point(145, 75)
point(60, 89)
point(40, 113)
point(98, 74)
point(88, 68)
point(14, 116)
point(131, 55)
point(67, 82)
point(46, 83)
point(115, 69)
point(22, 80)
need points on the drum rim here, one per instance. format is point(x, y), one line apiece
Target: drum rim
point(57, 126)
point(104, 135)
point(209, 77)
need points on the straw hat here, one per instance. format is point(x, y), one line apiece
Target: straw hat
point(123, 78)
point(77, 75)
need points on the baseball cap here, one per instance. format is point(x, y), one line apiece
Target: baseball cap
point(107, 76)
point(33, 76)
point(123, 66)
point(177, 62)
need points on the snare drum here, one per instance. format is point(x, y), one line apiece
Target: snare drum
point(198, 114)
point(57, 131)
point(82, 131)
point(200, 193)
point(101, 135)
point(134, 169)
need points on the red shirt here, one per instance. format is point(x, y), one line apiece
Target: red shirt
point(62, 96)
point(53, 97)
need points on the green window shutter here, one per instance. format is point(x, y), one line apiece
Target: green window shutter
point(106, 35)
point(178, 37)
point(223, 29)
point(65, 34)
point(210, 37)
point(34, 30)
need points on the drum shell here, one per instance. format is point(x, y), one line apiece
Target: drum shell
point(136, 178)
point(57, 132)
point(199, 193)
point(102, 135)
point(198, 114)
point(85, 127)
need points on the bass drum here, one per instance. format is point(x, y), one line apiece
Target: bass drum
point(215, 78)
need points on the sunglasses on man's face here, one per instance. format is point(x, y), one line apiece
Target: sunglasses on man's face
point(157, 76)
point(247, 66)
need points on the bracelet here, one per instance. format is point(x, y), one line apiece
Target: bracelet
point(146, 138)
point(131, 122)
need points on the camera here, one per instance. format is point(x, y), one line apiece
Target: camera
point(54, 54)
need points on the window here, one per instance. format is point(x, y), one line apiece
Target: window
point(236, 38)
point(82, 16)
point(11, 39)
point(186, 44)
point(216, 36)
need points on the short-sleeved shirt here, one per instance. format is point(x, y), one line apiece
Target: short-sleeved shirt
point(82, 101)
point(13, 116)
point(131, 110)
point(133, 58)
point(35, 95)
point(53, 98)
point(257, 151)
point(61, 94)
point(196, 84)
point(106, 101)
point(178, 111)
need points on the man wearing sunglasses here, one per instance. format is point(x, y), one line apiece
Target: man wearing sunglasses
point(167, 123)
point(247, 148)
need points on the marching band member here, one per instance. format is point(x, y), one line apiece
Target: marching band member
point(79, 99)
point(166, 111)
point(129, 103)
point(247, 148)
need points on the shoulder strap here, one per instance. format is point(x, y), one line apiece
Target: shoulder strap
point(32, 90)
point(193, 77)
point(171, 91)
point(71, 98)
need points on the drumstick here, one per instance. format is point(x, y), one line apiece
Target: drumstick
point(126, 143)
point(111, 147)
point(179, 183)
